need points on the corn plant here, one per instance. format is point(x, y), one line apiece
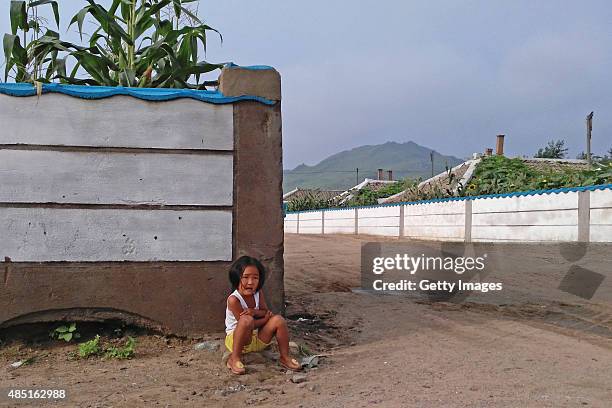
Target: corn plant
point(134, 43)
point(134, 46)
point(31, 49)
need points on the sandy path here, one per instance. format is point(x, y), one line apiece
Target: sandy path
point(382, 350)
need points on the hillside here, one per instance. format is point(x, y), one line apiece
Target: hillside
point(338, 171)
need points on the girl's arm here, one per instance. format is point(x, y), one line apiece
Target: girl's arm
point(233, 304)
point(236, 308)
point(261, 312)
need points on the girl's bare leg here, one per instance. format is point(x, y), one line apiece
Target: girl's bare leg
point(277, 326)
point(242, 337)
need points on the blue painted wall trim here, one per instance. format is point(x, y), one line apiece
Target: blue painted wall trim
point(442, 200)
point(249, 67)
point(148, 94)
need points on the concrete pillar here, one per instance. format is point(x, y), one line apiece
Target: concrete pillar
point(468, 221)
point(322, 222)
point(238, 81)
point(584, 216)
point(401, 227)
point(380, 175)
point(258, 173)
point(390, 175)
point(356, 221)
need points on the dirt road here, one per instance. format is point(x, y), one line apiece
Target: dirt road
point(523, 349)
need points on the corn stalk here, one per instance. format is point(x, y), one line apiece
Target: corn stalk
point(135, 43)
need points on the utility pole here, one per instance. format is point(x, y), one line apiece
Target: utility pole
point(589, 125)
point(357, 176)
point(432, 162)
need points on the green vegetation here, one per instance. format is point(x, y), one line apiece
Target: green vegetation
point(27, 48)
point(367, 196)
point(498, 175)
point(122, 353)
point(554, 150)
point(494, 175)
point(135, 43)
point(310, 201)
point(90, 348)
point(94, 348)
point(66, 333)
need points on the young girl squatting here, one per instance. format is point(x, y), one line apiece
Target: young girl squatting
point(249, 324)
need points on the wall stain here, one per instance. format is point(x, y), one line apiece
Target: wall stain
point(7, 266)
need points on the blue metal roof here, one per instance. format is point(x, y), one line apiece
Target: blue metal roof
point(148, 94)
point(504, 195)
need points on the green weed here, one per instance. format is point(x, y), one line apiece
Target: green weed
point(90, 348)
point(66, 333)
point(122, 353)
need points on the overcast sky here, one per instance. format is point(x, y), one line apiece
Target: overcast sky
point(449, 75)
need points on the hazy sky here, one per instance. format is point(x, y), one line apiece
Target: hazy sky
point(449, 75)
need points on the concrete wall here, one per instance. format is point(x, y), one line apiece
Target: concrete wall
point(577, 215)
point(527, 218)
point(600, 216)
point(439, 221)
point(379, 221)
point(131, 209)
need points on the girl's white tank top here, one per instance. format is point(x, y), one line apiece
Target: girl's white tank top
point(230, 319)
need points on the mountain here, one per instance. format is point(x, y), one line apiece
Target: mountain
point(339, 171)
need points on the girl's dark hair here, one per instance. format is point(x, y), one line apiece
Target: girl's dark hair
point(238, 267)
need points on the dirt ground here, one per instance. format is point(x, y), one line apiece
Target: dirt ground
point(530, 346)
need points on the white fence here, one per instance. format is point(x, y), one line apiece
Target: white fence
point(575, 214)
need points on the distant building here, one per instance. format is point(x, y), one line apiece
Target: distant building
point(299, 193)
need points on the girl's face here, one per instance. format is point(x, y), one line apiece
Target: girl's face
point(249, 281)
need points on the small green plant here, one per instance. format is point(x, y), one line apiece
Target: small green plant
point(122, 353)
point(66, 333)
point(90, 348)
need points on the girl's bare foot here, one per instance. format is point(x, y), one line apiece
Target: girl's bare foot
point(236, 366)
point(290, 363)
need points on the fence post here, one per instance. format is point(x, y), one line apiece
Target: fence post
point(356, 221)
point(584, 216)
point(401, 224)
point(322, 221)
point(468, 221)
point(298, 223)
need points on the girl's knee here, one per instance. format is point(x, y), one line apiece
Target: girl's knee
point(246, 320)
point(278, 320)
